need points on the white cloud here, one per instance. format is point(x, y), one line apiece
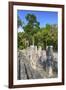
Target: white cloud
point(20, 29)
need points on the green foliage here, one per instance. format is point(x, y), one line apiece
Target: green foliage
point(19, 22)
point(32, 25)
point(33, 34)
point(31, 28)
point(31, 18)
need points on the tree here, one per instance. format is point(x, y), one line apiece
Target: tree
point(19, 22)
point(50, 36)
point(31, 28)
point(22, 42)
point(33, 34)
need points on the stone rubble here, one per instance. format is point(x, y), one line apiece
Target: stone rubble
point(35, 63)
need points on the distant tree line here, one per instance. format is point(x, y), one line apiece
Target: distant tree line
point(33, 34)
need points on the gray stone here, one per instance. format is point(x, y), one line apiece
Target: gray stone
point(35, 63)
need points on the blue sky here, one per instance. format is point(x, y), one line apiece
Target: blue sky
point(44, 17)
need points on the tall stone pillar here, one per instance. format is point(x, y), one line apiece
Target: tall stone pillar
point(49, 53)
point(39, 51)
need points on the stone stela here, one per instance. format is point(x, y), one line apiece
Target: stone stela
point(49, 53)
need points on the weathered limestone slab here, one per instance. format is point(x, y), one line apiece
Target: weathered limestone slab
point(49, 53)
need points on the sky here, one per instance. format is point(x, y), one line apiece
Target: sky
point(44, 17)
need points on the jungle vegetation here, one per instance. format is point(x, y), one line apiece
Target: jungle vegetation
point(33, 34)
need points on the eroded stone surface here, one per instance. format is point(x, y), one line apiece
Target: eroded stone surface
point(33, 64)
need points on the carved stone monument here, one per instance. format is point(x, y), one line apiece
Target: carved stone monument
point(39, 51)
point(49, 53)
